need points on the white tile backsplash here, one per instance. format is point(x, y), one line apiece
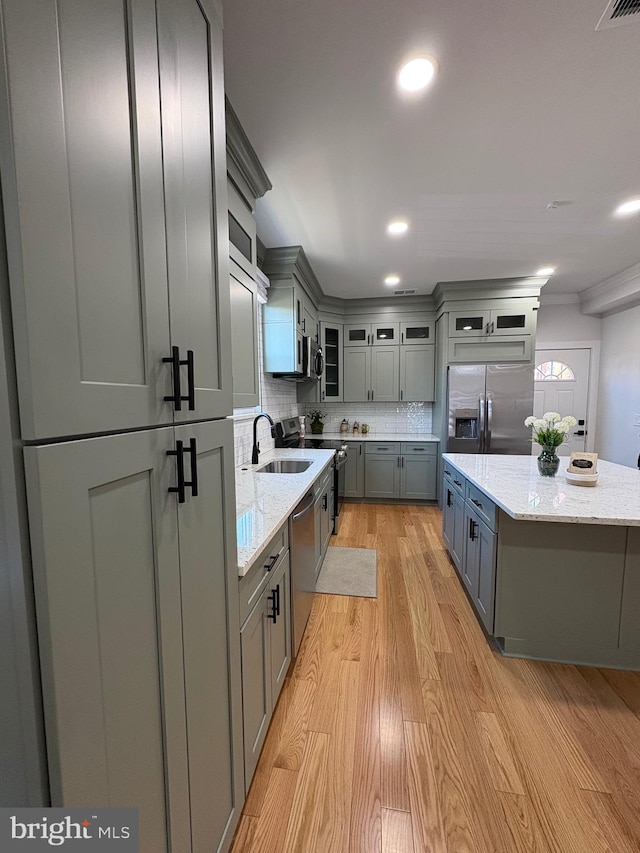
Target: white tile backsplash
point(381, 417)
point(277, 398)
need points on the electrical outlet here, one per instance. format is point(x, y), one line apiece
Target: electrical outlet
point(636, 420)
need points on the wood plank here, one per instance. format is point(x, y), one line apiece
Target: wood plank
point(353, 630)
point(397, 832)
point(335, 824)
point(366, 819)
point(425, 613)
point(626, 685)
point(243, 839)
point(269, 832)
point(525, 831)
point(426, 815)
point(307, 663)
point(502, 770)
point(293, 734)
point(324, 706)
point(308, 800)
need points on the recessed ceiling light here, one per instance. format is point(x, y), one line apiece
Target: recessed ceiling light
point(416, 74)
point(392, 279)
point(546, 271)
point(398, 226)
point(629, 207)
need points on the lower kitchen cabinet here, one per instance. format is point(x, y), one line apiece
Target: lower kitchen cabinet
point(137, 603)
point(354, 473)
point(382, 475)
point(265, 640)
point(401, 470)
point(453, 529)
point(479, 566)
point(323, 517)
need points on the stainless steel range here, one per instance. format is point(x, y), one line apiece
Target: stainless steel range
point(287, 434)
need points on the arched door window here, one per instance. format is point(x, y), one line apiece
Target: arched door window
point(553, 371)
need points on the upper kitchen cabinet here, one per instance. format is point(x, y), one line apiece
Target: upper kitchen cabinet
point(113, 176)
point(290, 313)
point(417, 332)
point(383, 333)
point(246, 182)
point(511, 319)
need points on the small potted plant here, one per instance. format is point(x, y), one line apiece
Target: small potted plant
point(317, 424)
point(550, 431)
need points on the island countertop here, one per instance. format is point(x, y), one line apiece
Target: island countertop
point(514, 484)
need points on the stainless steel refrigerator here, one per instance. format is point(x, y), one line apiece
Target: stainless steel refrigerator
point(487, 405)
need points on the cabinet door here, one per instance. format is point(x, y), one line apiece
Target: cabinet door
point(629, 622)
point(256, 683)
point(471, 553)
point(382, 478)
point(418, 332)
point(418, 477)
point(385, 374)
point(357, 335)
point(87, 268)
point(211, 630)
point(309, 320)
point(104, 536)
point(512, 320)
point(459, 530)
point(242, 231)
point(486, 589)
point(331, 337)
point(280, 630)
point(357, 374)
point(244, 339)
point(354, 472)
point(448, 513)
point(327, 517)
point(195, 178)
point(385, 334)
point(468, 324)
point(417, 373)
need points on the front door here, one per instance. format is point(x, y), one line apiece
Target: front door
point(562, 385)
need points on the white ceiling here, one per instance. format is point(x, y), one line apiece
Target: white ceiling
point(530, 105)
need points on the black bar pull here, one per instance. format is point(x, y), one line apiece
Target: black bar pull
point(278, 600)
point(272, 561)
point(191, 383)
point(177, 397)
point(477, 503)
point(179, 454)
point(448, 497)
point(472, 532)
point(325, 498)
point(193, 482)
point(579, 432)
point(272, 601)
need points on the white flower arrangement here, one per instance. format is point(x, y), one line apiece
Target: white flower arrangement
point(551, 429)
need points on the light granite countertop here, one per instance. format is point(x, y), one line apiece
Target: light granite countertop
point(378, 436)
point(514, 484)
point(265, 501)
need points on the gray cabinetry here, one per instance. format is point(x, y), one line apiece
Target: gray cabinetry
point(121, 263)
point(416, 332)
point(265, 640)
point(382, 470)
point(149, 721)
point(504, 332)
point(354, 474)
point(453, 514)
point(479, 565)
point(357, 374)
point(371, 374)
point(323, 517)
point(385, 377)
point(332, 378)
point(244, 338)
point(418, 471)
point(417, 373)
point(382, 333)
point(629, 621)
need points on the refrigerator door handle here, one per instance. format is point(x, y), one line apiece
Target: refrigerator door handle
point(487, 448)
point(481, 425)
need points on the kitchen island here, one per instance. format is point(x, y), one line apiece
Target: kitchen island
point(552, 569)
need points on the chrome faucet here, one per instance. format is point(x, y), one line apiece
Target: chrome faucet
point(256, 447)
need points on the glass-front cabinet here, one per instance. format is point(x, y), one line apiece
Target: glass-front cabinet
point(511, 319)
point(372, 334)
point(418, 332)
point(332, 377)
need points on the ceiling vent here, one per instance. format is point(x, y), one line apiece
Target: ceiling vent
point(619, 12)
point(404, 292)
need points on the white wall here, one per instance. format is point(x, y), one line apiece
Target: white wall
point(618, 440)
point(566, 323)
point(382, 417)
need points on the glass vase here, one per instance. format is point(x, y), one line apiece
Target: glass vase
point(548, 461)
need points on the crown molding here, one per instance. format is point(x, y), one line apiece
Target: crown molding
point(617, 293)
point(242, 160)
point(558, 299)
point(285, 261)
point(454, 291)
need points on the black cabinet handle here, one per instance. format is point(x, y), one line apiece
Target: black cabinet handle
point(457, 483)
point(278, 600)
point(401, 393)
point(472, 531)
point(179, 454)
point(324, 501)
point(477, 503)
point(177, 397)
point(182, 483)
point(272, 601)
point(191, 384)
point(448, 497)
point(579, 432)
point(272, 561)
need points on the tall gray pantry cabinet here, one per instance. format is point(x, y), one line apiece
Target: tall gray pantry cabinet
point(113, 177)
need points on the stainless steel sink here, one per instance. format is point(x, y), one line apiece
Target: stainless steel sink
point(285, 466)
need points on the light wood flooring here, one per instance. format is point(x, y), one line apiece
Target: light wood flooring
point(401, 730)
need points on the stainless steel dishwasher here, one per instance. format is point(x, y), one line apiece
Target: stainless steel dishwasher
point(302, 544)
